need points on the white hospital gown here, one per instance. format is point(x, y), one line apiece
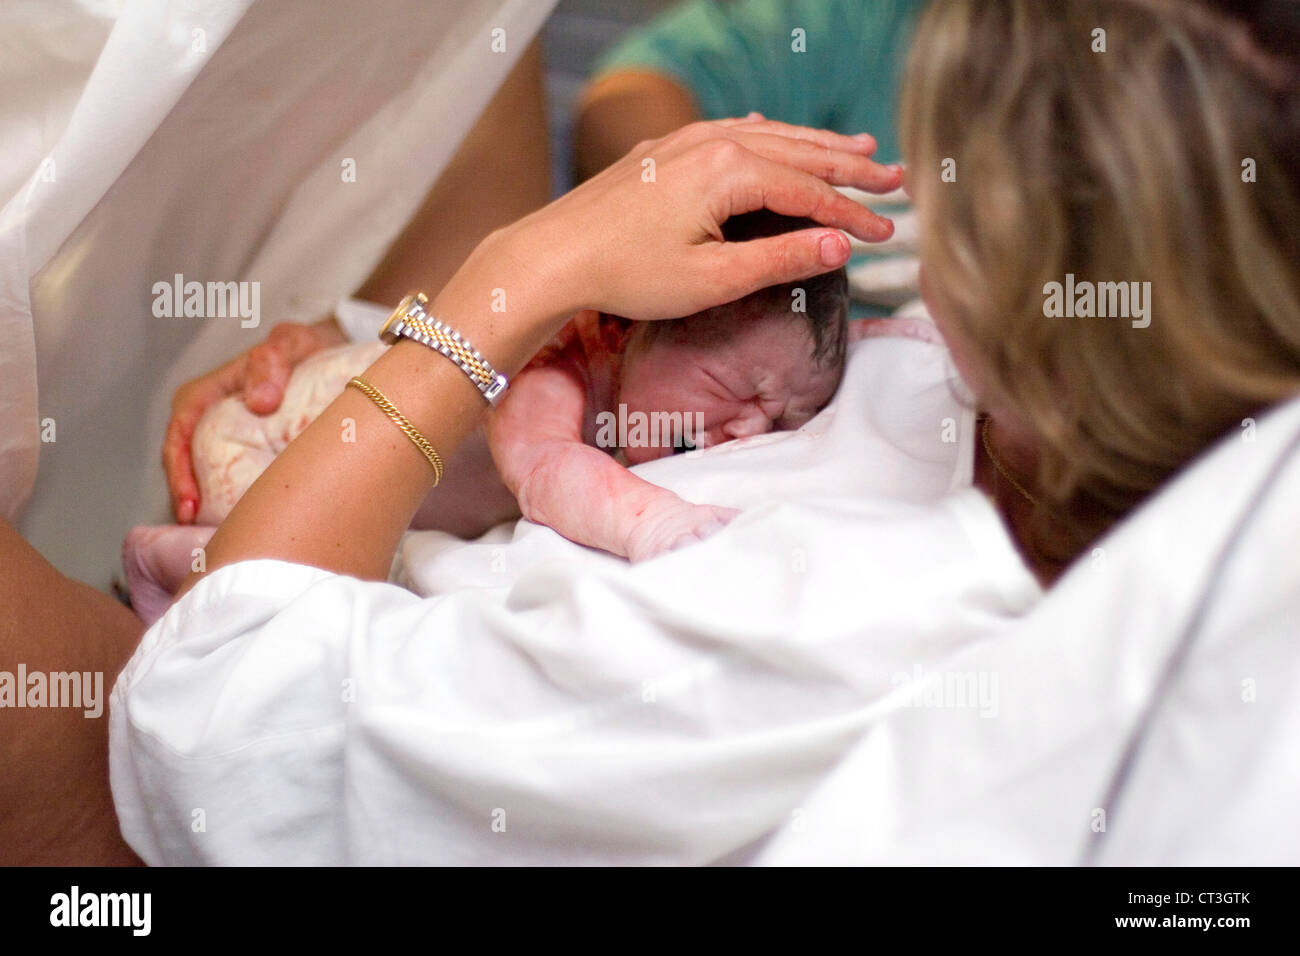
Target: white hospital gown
point(545, 703)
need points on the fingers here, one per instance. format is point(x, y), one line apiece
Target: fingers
point(753, 116)
point(262, 374)
point(270, 364)
point(863, 144)
point(764, 183)
point(838, 159)
point(267, 378)
point(828, 161)
point(181, 483)
point(190, 402)
point(188, 405)
point(759, 263)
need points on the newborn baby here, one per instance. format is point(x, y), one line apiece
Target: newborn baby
point(605, 389)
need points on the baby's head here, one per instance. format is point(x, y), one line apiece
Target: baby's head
point(767, 362)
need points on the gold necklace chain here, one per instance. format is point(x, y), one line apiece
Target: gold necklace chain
point(988, 450)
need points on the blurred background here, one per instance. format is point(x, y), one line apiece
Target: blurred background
point(575, 36)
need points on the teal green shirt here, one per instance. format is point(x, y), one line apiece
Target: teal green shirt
point(742, 55)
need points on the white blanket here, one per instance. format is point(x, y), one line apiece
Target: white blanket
point(1122, 655)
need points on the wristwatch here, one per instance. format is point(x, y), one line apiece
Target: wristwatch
point(411, 319)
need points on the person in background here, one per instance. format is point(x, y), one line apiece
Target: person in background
point(828, 64)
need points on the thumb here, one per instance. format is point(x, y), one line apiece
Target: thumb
point(759, 263)
point(269, 365)
point(265, 378)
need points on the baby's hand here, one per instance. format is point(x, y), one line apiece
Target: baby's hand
point(672, 524)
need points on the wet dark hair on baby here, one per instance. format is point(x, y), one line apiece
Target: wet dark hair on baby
point(825, 297)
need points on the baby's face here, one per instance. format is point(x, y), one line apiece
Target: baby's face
point(744, 375)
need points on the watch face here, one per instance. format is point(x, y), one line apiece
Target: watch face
point(393, 324)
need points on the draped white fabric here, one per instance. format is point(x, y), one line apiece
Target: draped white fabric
point(215, 139)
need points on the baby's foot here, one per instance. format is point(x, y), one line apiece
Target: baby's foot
point(156, 559)
point(675, 525)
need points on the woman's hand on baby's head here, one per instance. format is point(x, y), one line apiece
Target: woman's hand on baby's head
point(651, 224)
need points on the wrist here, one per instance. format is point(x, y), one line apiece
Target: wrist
point(505, 298)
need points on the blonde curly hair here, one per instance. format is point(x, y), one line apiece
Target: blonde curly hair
point(1120, 141)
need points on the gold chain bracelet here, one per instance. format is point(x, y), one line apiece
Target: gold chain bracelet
point(402, 422)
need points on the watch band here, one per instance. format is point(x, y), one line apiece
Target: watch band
point(412, 320)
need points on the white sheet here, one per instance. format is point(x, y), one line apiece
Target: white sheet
point(1217, 779)
point(551, 704)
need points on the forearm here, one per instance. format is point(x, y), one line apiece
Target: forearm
point(585, 495)
point(343, 505)
point(55, 804)
point(557, 479)
point(622, 108)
